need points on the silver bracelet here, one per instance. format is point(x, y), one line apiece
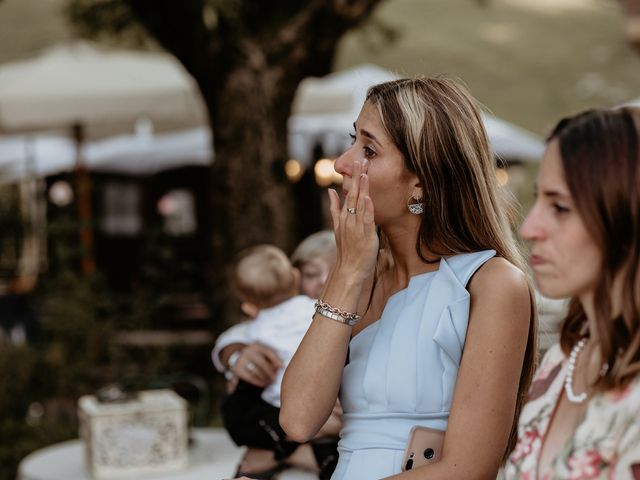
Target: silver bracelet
point(335, 314)
point(233, 359)
point(231, 362)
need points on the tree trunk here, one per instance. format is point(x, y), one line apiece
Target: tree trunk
point(632, 22)
point(251, 198)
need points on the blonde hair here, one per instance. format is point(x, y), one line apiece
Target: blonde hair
point(263, 275)
point(321, 244)
point(437, 126)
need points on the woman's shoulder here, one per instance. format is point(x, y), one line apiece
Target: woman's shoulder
point(499, 275)
point(500, 301)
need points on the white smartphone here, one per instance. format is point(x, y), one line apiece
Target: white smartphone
point(423, 447)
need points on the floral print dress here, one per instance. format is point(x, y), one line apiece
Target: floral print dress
point(605, 445)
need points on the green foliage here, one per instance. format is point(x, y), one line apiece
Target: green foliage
point(102, 19)
point(39, 383)
point(11, 229)
point(17, 369)
point(77, 352)
point(26, 379)
point(24, 439)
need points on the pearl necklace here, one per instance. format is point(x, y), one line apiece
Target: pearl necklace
point(568, 379)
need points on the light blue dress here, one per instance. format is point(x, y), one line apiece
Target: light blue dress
point(402, 369)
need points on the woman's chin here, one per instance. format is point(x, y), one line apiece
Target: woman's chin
point(553, 292)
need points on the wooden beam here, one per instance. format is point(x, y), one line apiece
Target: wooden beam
point(164, 338)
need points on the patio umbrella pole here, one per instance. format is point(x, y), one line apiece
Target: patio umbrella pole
point(83, 185)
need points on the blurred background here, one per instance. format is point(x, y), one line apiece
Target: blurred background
point(143, 143)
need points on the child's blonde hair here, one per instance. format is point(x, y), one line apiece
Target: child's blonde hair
point(263, 275)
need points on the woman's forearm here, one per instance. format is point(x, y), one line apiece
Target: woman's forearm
point(312, 379)
point(236, 334)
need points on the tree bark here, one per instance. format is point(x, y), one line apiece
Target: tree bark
point(632, 22)
point(251, 198)
point(248, 58)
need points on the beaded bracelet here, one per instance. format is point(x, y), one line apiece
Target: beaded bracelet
point(333, 313)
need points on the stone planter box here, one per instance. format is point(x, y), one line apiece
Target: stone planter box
point(136, 437)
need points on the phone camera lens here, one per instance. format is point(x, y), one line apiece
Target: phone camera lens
point(409, 465)
point(429, 453)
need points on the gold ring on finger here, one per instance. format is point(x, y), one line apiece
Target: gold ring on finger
point(351, 210)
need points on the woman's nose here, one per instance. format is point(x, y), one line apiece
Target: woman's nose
point(531, 228)
point(343, 163)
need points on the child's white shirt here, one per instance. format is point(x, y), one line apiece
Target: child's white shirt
point(282, 328)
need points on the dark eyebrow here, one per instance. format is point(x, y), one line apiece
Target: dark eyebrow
point(556, 194)
point(551, 193)
point(367, 134)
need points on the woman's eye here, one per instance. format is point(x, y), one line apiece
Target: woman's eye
point(369, 152)
point(353, 138)
point(560, 208)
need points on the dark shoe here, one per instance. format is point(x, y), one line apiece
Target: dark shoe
point(326, 453)
point(269, 474)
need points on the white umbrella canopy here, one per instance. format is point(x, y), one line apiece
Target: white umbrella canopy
point(633, 103)
point(325, 108)
point(96, 93)
point(37, 156)
point(510, 142)
point(147, 154)
point(25, 156)
point(342, 91)
point(104, 91)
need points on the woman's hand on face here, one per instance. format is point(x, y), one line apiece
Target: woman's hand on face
point(356, 237)
point(257, 365)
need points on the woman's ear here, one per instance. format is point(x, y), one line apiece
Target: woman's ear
point(416, 191)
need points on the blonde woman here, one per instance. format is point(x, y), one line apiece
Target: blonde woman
point(437, 330)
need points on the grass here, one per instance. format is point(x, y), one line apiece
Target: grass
point(529, 61)
point(28, 26)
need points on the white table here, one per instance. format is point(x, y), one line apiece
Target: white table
point(212, 456)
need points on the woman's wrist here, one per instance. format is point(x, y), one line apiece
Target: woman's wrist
point(333, 313)
point(347, 278)
point(342, 292)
